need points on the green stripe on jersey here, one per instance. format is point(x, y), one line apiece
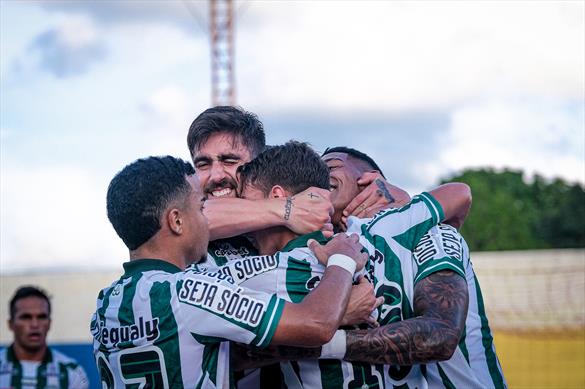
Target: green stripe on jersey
point(168, 339)
point(64, 377)
point(331, 374)
point(487, 341)
point(434, 205)
point(209, 360)
point(462, 346)
point(409, 239)
point(268, 326)
point(298, 273)
point(126, 310)
point(446, 381)
point(42, 376)
point(446, 263)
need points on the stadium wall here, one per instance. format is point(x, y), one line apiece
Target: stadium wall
point(535, 302)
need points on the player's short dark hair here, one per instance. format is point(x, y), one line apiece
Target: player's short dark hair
point(24, 292)
point(355, 154)
point(243, 125)
point(140, 193)
point(295, 166)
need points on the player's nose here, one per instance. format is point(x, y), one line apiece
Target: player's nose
point(217, 172)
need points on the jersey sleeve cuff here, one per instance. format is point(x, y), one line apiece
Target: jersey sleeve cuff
point(434, 206)
point(446, 264)
point(270, 322)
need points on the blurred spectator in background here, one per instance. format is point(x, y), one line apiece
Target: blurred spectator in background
point(28, 362)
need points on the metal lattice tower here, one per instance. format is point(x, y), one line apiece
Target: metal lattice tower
point(222, 52)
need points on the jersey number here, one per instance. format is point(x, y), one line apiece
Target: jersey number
point(364, 377)
point(140, 368)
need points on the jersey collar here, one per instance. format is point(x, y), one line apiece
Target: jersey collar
point(301, 241)
point(11, 355)
point(142, 265)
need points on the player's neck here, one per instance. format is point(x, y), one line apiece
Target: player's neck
point(171, 253)
point(23, 354)
point(273, 239)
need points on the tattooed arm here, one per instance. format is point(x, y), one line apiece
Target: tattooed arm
point(440, 304)
point(375, 194)
point(303, 213)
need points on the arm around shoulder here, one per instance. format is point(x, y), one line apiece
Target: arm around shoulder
point(455, 199)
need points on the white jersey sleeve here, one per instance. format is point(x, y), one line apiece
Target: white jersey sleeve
point(212, 305)
point(404, 225)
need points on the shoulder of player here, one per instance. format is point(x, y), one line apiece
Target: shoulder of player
point(63, 359)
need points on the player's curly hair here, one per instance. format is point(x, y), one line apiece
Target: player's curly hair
point(140, 193)
point(295, 166)
point(243, 125)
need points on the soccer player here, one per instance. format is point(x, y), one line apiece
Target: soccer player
point(29, 362)
point(474, 363)
point(221, 139)
point(284, 170)
point(160, 326)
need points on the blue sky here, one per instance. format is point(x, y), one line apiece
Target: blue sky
point(426, 88)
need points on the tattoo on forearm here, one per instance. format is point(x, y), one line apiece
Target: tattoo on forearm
point(312, 195)
point(440, 302)
point(384, 191)
point(287, 208)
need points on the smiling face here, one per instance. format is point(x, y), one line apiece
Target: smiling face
point(216, 163)
point(343, 173)
point(30, 323)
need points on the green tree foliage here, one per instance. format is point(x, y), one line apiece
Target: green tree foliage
point(509, 213)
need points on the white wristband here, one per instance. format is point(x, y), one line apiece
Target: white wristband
point(335, 348)
point(342, 261)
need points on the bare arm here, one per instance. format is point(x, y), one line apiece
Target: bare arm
point(440, 302)
point(305, 212)
point(313, 322)
point(455, 198)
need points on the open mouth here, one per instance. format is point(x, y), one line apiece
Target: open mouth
point(221, 192)
point(35, 337)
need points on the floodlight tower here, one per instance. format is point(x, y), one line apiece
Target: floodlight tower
point(222, 52)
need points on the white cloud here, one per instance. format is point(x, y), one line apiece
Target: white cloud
point(537, 136)
point(396, 56)
point(55, 217)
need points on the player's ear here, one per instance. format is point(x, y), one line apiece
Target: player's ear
point(175, 221)
point(277, 192)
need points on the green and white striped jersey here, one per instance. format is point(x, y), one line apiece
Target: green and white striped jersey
point(56, 370)
point(220, 251)
point(390, 239)
point(167, 328)
point(474, 363)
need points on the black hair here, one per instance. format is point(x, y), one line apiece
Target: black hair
point(243, 125)
point(140, 193)
point(356, 154)
point(295, 166)
point(24, 292)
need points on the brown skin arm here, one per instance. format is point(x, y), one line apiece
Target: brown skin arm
point(308, 211)
point(440, 304)
point(455, 198)
point(375, 194)
point(312, 323)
